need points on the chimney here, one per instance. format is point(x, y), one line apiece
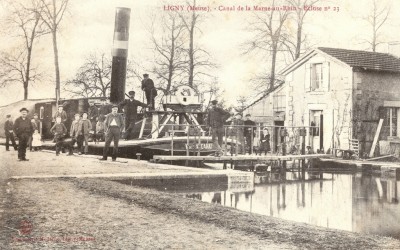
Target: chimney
point(119, 54)
point(393, 48)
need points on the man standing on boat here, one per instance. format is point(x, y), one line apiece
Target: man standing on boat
point(113, 126)
point(130, 108)
point(149, 90)
point(215, 121)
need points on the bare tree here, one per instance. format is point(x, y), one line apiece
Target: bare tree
point(14, 69)
point(341, 118)
point(198, 59)
point(376, 18)
point(294, 45)
point(169, 49)
point(52, 14)
point(93, 78)
point(25, 23)
point(268, 31)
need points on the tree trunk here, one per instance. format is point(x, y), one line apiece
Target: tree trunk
point(56, 65)
point(26, 90)
point(27, 73)
point(298, 42)
point(191, 49)
point(273, 62)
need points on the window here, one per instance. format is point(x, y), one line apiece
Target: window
point(279, 102)
point(390, 121)
point(317, 76)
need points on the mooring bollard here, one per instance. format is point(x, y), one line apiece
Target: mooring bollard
point(138, 156)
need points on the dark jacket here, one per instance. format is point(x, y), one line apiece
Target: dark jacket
point(8, 126)
point(93, 112)
point(63, 116)
point(148, 85)
point(59, 129)
point(22, 126)
point(38, 127)
point(216, 117)
point(251, 127)
point(104, 110)
point(73, 132)
point(118, 119)
point(84, 127)
point(130, 107)
point(34, 126)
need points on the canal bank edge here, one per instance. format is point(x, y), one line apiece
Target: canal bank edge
point(300, 235)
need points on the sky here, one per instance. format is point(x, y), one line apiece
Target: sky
point(89, 25)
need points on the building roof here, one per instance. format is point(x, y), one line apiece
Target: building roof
point(263, 95)
point(365, 59)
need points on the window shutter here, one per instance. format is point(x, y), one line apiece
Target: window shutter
point(326, 76)
point(307, 80)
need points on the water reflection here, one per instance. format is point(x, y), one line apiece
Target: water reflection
point(354, 202)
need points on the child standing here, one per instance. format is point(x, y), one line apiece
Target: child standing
point(59, 130)
point(100, 130)
point(74, 131)
point(84, 129)
point(36, 140)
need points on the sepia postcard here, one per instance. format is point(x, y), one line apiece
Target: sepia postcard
point(199, 124)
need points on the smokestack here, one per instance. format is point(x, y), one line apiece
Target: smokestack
point(120, 54)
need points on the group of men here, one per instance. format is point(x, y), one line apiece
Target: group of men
point(243, 130)
point(114, 123)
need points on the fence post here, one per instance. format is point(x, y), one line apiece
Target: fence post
point(283, 153)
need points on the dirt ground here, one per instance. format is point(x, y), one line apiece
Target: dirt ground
point(100, 214)
point(88, 213)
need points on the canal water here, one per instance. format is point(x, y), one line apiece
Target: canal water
point(355, 202)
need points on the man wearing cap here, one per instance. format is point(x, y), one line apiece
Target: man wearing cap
point(130, 108)
point(8, 131)
point(113, 125)
point(149, 90)
point(23, 129)
point(60, 113)
point(215, 121)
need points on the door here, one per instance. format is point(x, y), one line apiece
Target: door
point(316, 133)
point(277, 138)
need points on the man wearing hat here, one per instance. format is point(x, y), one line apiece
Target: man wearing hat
point(215, 121)
point(113, 125)
point(23, 129)
point(8, 131)
point(130, 108)
point(60, 113)
point(149, 90)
